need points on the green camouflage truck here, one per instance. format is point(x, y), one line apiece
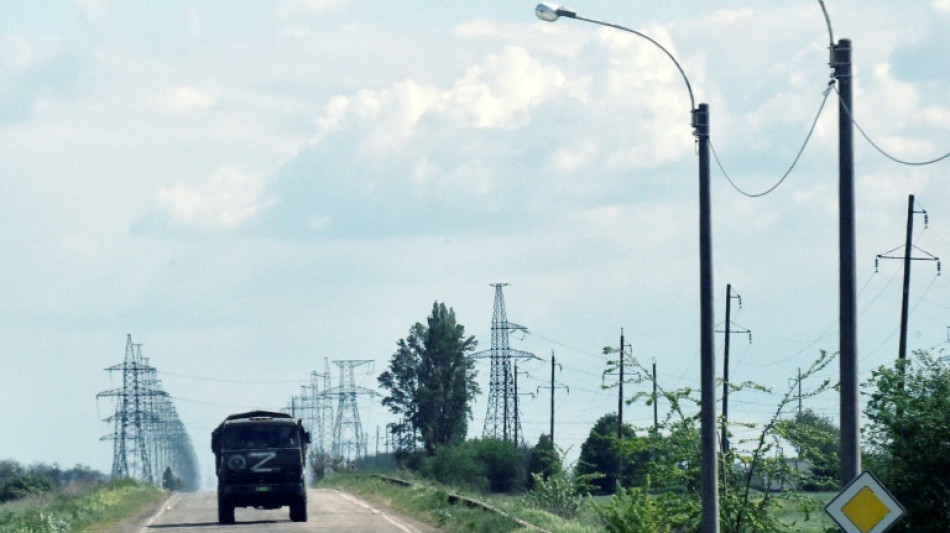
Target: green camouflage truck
point(260, 460)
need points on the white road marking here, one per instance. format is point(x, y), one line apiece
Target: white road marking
point(404, 527)
point(164, 509)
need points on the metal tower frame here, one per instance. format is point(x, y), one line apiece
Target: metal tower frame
point(147, 436)
point(349, 442)
point(502, 420)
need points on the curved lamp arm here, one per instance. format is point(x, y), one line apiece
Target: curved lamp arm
point(549, 12)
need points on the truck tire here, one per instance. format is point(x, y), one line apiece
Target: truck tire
point(225, 511)
point(298, 510)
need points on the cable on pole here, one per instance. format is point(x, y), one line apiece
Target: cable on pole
point(794, 161)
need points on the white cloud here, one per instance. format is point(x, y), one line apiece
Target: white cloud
point(187, 99)
point(96, 11)
point(942, 6)
point(500, 92)
point(317, 6)
point(229, 198)
point(17, 53)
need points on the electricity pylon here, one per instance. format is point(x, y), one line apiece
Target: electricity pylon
point(502, 420)
point(147, 436)
point(349, 442)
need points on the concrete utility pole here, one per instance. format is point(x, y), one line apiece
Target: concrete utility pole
point(709, 477)
point(850, 408)
point(799, 391)
point(656, 412)
point(551, 434)
point(725, 363)
point(907, 258)
point(620, 364)
point(554, 385)
point(902, 349)
point(518, 439)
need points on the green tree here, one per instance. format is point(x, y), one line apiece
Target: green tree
point(402, 381)
point(431, 381)
point(817, 440)
point(601, 454)
point(908, 439)
point(544, 460)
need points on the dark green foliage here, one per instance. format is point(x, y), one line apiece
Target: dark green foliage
point(17, 481)
point(666, 462)
point(504, 464)
point(431, 383)
point(908, 440)
point(457, 466)
point(491, 465)
point(601, 454)
point(446, 381)
point(544, 460)
point(817, 441)
point(402, 381)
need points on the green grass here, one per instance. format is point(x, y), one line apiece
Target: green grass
point(428, 503)
point(61, 513)
point(813, 521)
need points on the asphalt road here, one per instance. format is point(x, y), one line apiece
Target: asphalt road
point(328, 510)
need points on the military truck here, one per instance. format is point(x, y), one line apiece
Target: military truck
point(260, 458)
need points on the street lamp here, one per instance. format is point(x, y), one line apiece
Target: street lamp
point(849, 391)
point(700, 122)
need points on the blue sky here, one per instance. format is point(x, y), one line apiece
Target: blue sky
point(248, 188)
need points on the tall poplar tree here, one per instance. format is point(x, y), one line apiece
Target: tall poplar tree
point(431, 381)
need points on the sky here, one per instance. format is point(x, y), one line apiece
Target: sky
point(251, 189)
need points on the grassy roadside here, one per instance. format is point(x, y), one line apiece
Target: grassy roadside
point(85, 511)
point(430, 504)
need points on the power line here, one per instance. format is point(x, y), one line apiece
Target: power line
point(794, 161)
point(233, 381)
point(881, 150)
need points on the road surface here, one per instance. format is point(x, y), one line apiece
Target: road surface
point(328, 510)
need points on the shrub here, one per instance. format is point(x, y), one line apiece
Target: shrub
point(456, 465)
point(558, 494)
point(504, 464)
point(543, 460)
point(635, 511)
point(482, 465)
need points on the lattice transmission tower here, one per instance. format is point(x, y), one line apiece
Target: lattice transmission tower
point(502, 420)
point(315, 407)
point(349, 441)
point(130, 449)
point(148, 437)
point(322, 422)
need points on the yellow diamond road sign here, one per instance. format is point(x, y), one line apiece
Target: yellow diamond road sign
point(864, 506)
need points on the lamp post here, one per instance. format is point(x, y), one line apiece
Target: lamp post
point(700, 122)
point(849, 403)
